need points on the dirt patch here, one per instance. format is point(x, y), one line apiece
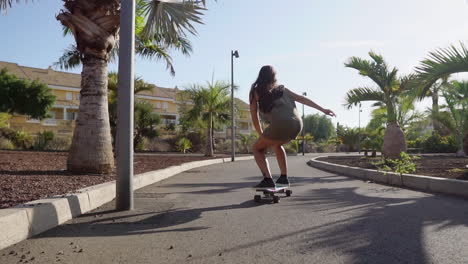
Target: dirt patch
point(437, 166)
point(31, 175)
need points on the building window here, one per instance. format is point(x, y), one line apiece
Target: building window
point(69, 96)
point(71, 115)
point(158, 105)
point(165, 106)
point(77, 96)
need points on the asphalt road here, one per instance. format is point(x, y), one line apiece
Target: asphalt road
point(207, 215)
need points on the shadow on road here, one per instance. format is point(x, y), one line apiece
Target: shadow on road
point(112, 223)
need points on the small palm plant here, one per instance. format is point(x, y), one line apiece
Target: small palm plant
point(184, 144)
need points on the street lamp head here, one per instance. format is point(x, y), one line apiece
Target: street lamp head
point(235, 54)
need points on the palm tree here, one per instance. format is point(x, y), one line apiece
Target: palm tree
point(139, 86)
point(456, 116)
point(440, 63)
point(95, 26)
point(211, 105)
point(148, 48)
point(389, 88)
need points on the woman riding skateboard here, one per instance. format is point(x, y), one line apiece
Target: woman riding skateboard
point(277, 104)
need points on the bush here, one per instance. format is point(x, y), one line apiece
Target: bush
point(170, 127)
point(184, 144)
point(42, 139)
point(198, 141)
point(438, 144)
point(4, 118)
point(7, 133)
point(224, 146)
point(417, 143)
point(22, 140)
point(161, 144)
point(6, 144)
point(59, 144)
point(292, 147)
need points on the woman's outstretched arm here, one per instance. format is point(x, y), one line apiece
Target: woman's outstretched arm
point(304, 100)
point(255, 117)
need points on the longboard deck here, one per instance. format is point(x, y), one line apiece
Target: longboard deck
point(270, 193)
point(272, 190)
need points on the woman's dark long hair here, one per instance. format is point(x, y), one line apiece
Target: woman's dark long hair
point(266, 89)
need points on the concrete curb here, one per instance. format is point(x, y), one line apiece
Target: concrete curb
point(411, 181)
point(32, 218)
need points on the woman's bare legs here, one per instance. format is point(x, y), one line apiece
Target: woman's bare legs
point(281, 158)
point(259, 149)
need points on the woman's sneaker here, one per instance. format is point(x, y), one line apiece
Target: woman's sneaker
point(266, 183)
point(282, 181)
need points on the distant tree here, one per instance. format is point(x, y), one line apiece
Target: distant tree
point(145, 123)
point(211, 105)
point(319, 126)
point(348, 136)
point(24, 97)
point(440, 63)
point(455, 118)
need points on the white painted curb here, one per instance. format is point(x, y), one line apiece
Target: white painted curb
point(29, 219)
point(411, 181)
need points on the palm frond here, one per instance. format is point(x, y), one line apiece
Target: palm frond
point(361, 94)
point(441, 63)
point(4, 4)
point(150, 50)
point(170, 20)
point(70, 59)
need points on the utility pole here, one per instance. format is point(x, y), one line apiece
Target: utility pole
point(303, 127)
point(124, 183)
point(233, 131)
point(359, 130)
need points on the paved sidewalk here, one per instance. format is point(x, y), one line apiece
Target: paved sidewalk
point(207, 215)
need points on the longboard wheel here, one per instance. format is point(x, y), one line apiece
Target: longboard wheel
point(288, 193)
point(257, 198)
point(276, 199)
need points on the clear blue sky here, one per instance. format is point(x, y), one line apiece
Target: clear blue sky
point(307, 41)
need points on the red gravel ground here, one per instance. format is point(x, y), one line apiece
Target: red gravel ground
point(31, 175)
point(437, 166)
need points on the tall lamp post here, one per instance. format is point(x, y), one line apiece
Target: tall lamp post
point(124, 183)
point(303, 132)
point(234, 53)
point(359, 130)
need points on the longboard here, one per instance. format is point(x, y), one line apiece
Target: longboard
point(270, 193)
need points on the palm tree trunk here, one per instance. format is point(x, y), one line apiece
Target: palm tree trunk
point(209, 139)
point(435, 110)
point(394, 141)
point(92, 125)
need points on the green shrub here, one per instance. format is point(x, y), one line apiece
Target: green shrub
point(22, 140)
point(402, 165)
point(4, 118)
point(292, 147)
point(59, 144)
point(42, 139)
point(6, 144)
point(183, 144)
point(417, 143)
point(438, 144)
point(170, 127)
point(7, 133)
